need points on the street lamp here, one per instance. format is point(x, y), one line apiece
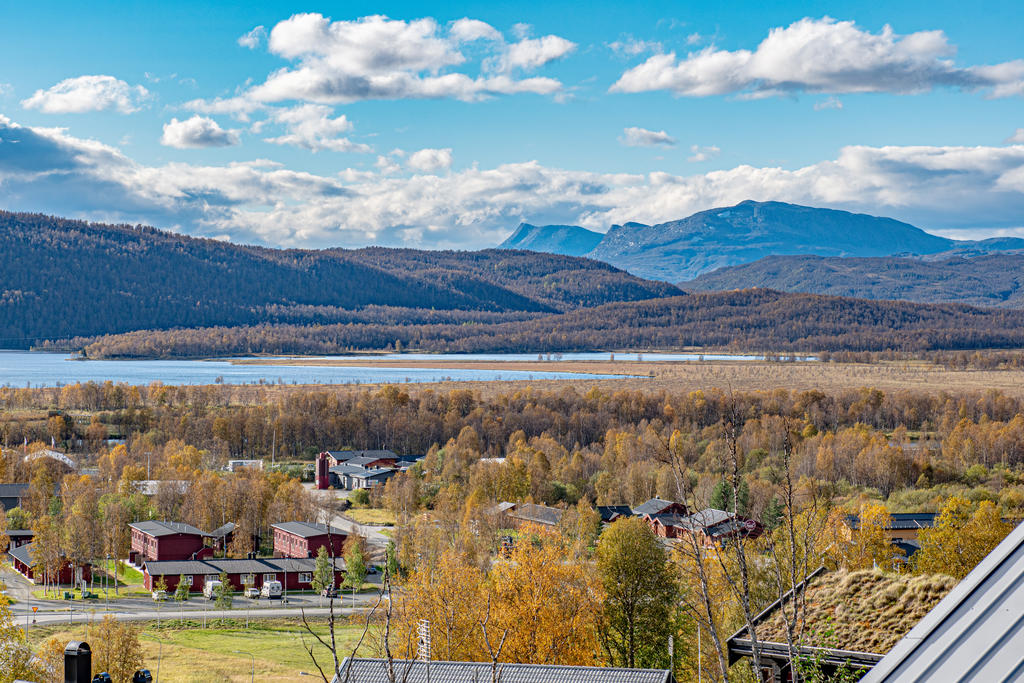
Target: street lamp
point(252, 671)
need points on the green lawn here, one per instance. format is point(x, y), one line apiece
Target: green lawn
point(219, 652)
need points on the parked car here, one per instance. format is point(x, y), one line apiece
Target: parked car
point(271, 590)
point(331, 592)
point(159, 596)
point(210, 589)
point(252, 593)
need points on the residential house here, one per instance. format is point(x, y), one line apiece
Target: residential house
point(352, 477)
point(24, 564)
point(11, 495)
point(974, 633)
point(294, 574)
point(710, 527)
point(155, 540)
point(234, 465)
point(19, 537)
point(304, 539)
point(221, 537)
point(529, 513)
point(610, 513)
point(339, 457)
point(657, 506)
point(840, 622)
point(376, 671)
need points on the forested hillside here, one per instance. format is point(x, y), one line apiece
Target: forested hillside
point(755, 319)
point(61, 278)
point(983, 280)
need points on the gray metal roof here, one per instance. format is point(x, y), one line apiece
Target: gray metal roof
point(348, 455)
point(222, 531)
point(307, 529)
point(21, 553)
point(975, 634)
point(364, 460)
point(13, 490)
point(542, 514)
point(901, 520)
point(153, 527)
point(651, 507)
point(376, 671)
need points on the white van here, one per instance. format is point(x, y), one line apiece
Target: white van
point(210, 589)
point(271, 590)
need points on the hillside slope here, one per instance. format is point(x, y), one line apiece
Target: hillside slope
point(987, 280)
point(61, 278)
point(747, 320)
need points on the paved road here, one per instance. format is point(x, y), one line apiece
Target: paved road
point(377, 540)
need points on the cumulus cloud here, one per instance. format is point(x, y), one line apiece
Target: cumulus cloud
point(253, 38)
point(430, 160)
point(376, 57)
point(311, 127)
point(641, 137)
point(88, 93)
point(466, 30)
point(1017, 137)
point(823, 56)
point(532, 53)
point(975, 191)
point(196, 133)
point(698, 153)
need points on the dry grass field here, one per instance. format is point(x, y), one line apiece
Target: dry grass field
point(736, 375)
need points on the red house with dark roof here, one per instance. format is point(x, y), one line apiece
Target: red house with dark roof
point(154, 540)
point(294, 574)
point(304, 539)
point(25, 565)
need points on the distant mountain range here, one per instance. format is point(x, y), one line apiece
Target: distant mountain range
point(569, 240)
point(797, 248)
point(995, 280)
point(61, 278)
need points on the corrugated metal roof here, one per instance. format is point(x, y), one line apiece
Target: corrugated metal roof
point(153, 527)
point(542, 514)
point(235, 566)
point(652, 507)
point(376, 671)
point(975, 634)
point(306, 529)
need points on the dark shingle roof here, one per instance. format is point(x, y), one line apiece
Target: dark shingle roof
point(376, 671)
point(901, 520)
point(153, 527)
point(974, 634)
point(307, 529)
point(651, 507)
point(13, 490)
point(607, 512)
point(21, 554)
point(348, 455)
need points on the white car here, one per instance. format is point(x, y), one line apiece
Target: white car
point(252, 593)
point(160, 596)
point(271, 590)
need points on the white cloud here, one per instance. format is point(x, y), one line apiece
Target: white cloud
point(6, 88)
point(694, 39)
point(88, 93)
point(253, 38)
point(698, 153)
point(430, 160)
point(533, 53)
point(522, 30)
point(631, 47)
point(197, 132)
point(466, 30)
point(238, 107)
point(641, 137)
point(311, 127)
point(380, 58)
point(975, 191)
point(1017, 137)
point(823, 56)
point(828, 103)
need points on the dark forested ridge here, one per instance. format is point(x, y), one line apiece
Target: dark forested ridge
point(61, 278)
point(982, 280)
point(755, 320)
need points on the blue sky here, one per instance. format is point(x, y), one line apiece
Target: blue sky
point(444, 125)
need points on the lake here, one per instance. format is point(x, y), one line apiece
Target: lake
point(24, 368)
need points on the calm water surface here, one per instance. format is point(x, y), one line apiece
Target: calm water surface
point(24, 368)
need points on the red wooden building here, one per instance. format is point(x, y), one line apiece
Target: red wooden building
point(68, 574)
point(153, 540)
point(294, 574)
point(304, 539)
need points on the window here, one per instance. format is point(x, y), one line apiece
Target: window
point(305, 578)
point(187, 579)
point(248, 579)
point(269, 577)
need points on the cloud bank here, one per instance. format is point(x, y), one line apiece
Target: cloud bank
point(823, 56)
point(957, 190)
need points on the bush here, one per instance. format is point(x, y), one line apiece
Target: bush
point(359, 498)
